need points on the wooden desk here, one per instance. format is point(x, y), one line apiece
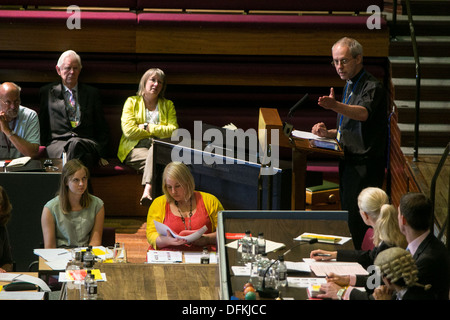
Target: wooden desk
point(278, 226)
point(143, 281)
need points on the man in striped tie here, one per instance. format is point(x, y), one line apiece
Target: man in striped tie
point(71, 116)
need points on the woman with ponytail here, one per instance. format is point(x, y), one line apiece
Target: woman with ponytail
point(378, 213)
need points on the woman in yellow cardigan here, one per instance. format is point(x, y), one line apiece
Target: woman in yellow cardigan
point(184, 211)
point(146, 116)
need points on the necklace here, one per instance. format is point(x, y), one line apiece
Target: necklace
point(181, 214)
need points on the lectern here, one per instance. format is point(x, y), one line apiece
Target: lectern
point(269, 119)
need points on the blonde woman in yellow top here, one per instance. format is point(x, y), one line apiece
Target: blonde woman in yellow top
point(146, 116)
point(183, 210)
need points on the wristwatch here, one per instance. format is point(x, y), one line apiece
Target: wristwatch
point(340, 293)
point(11, 134)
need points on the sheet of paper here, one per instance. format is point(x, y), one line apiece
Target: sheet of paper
point(194, 257)
point(322, 269)
point(57, 259)
point(53, 254)
point(270, 245)
point(156, 256)
point(6, 276)
point(298, 266)
point(241, 270)
point(163, 230)
point(310, 136)
point(21, 295)
point(67, 277)
point(299, 282)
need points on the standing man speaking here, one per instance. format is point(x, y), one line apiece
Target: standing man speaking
point(361, 130)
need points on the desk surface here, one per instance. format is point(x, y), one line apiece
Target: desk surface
point(55, 167)
point(144, 281)
point(284, 230)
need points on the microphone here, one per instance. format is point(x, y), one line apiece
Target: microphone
point(300, 103)
point(310, 241)
point(272, 292)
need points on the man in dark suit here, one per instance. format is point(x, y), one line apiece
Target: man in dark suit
point(415, 215)
point(71, 116)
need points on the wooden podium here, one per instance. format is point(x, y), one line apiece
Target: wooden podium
point(269, 119)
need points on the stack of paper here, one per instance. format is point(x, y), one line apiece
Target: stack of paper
point(323, 238)
point(322, 269)
point(57, 259)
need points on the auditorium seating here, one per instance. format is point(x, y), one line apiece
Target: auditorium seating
point(223, 59)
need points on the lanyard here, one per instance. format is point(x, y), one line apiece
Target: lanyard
point(338, 138)
point(8, 143)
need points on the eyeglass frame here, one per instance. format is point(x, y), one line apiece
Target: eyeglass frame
point(9, 103)
point(343, 62)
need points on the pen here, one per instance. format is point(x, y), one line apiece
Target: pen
point(322, 255)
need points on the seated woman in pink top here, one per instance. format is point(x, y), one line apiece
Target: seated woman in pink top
point(183, 210)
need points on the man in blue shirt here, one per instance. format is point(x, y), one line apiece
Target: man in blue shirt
point(19, 126)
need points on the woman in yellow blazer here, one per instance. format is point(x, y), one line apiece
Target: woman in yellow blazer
point(184, 211)
point(146, 116)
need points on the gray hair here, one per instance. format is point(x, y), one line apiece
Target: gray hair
point(355, 47)
point(68, 53)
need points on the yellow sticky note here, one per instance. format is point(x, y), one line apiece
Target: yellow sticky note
point(98, 251)
point(97, 274)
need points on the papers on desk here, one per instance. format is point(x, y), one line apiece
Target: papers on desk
point(292, 266)
point(323, 268)
point(21, 295)
point(270, 245)
point(155, 256)
point(194, 257)
point(57, 259)
point(323, 238)
point(163, 230)
point(19, 162)
point(317, 141)
point(298, 266)
point(241, 270)
point(24, 278)
point(79, 275)
point(298, 282)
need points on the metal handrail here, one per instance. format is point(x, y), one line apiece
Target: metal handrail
point(433, 195)
point(418, 72)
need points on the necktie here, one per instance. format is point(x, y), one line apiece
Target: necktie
point(72, 108)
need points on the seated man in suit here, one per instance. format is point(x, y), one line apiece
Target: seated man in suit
point(71, 116)
point(19, 126)
point(415, 214)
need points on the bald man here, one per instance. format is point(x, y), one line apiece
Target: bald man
point(19, 126)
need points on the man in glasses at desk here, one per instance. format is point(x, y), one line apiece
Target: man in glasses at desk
point(19, 126)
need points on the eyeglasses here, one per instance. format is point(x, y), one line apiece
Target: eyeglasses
point(9, 103)
point(341, 62)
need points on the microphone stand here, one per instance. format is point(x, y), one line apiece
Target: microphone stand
point(272, 293)
point(287, 127)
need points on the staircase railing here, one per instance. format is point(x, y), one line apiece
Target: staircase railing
point(445, 225)
point(417, 65)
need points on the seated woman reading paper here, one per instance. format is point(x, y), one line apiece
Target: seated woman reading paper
point(184, 211)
